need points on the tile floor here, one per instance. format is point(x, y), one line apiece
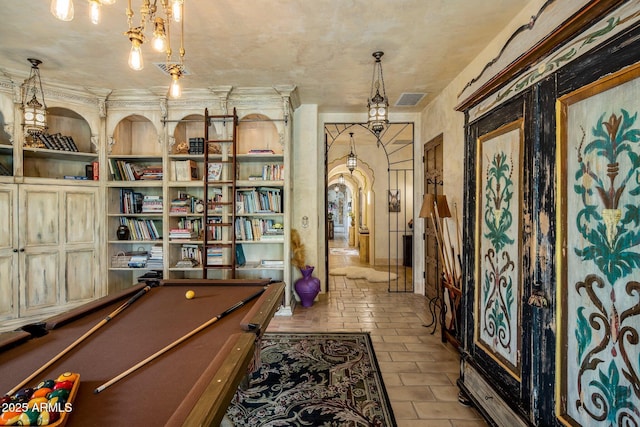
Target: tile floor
point(419, 371)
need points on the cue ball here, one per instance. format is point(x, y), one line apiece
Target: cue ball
point(190, 294)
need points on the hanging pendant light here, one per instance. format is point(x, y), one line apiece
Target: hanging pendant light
point(378, 104)
point(34, 112)
point(341, 179)
point(352, 159)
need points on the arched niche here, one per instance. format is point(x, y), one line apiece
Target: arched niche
point(67, 122)
point(136, 135)
point(191, 126)
point(258, 132)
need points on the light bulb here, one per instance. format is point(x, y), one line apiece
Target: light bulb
point(95, 11)
point(175, 91)
point(62, 9)
point(158, 43)
point(135, 56)
point(159, 36)
point(177, 10)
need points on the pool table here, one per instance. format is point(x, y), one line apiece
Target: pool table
point(192, 384)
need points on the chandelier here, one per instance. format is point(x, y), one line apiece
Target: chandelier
point(352, 159)
point(172, 10)
point(377, 104)
point(34, 112)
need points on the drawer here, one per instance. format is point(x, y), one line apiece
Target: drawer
point(482, 393)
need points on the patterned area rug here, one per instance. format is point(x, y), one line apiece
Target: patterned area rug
point(315, 379)
point(368, 274)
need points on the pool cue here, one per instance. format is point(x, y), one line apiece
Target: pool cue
point(82, 338)
point(178, 341)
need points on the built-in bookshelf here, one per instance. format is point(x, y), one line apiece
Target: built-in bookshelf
point(63, 151)
point(219, 246)
point(135, 200)
point(223, 212)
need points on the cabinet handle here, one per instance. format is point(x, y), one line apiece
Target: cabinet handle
point(15, 250)
point(21, 249)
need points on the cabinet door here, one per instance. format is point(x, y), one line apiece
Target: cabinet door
point(8, 258)
point(498, 323)
point(39, 217)
point(59, 234)
point(79, 245)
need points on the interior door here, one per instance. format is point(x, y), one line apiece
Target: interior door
point(432, 185)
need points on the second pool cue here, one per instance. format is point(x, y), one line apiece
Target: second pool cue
point(71, 346)
point(177, 342)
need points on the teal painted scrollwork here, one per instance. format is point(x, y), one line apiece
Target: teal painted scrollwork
point(498, 284)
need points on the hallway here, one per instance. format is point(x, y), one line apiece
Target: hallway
point(419, 371)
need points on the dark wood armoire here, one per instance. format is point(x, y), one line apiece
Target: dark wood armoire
point(551, 299)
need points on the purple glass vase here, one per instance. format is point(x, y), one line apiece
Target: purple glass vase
point(307, 287)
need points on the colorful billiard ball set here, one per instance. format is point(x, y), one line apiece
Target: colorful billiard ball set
point(48, 403)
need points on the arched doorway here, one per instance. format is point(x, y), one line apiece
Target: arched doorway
point(381, 188)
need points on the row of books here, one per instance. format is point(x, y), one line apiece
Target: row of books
point(192, 225)
point(190, 253)
point(122, 170)
point(130, 201)
point(214, 229)
point(142, 229)
point(258, 200)
point(58, 142)
point(273, 172)
point(196, 145)
point(257, 229)
point(184, 204)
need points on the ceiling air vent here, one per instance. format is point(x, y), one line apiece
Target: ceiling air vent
point(164, 67)
point(409, 99)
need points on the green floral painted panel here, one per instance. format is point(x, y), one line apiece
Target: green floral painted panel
point(498, 299)
point(602, 294)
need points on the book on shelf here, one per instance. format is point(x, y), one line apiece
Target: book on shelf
point(142, 229)
point(258, 200)
point(272, 263)
point(130, 201)
point(152, 204)
point(92, 171)
point(214, 256)
point(156, 258)
point(214, 171)
point(152, 172)
point(273, 172)
point(190, 256)
point(184, 170)
point(240, 258)
point(138, 261)
point(76, 177)
point(261, 151)
point(196, 145)
point(122, 170)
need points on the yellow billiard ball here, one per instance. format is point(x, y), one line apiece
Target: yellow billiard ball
point(189, 295)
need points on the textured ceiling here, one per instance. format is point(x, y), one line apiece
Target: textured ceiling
point(323, 47)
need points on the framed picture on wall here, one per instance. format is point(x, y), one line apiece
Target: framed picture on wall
point(598, 246)
point(498, 245)
point(394, 200)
